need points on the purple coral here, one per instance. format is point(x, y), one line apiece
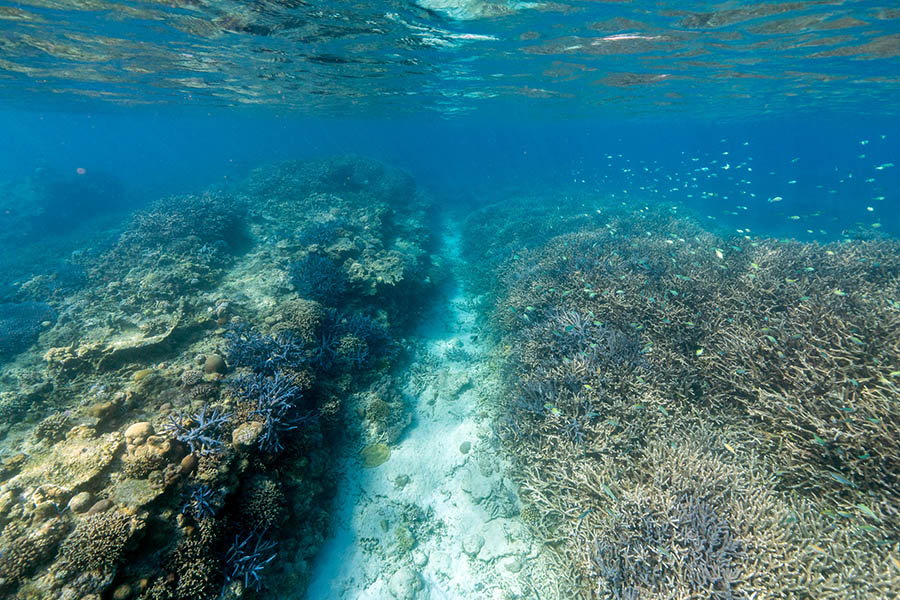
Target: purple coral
point(319, 278)
point(247, 558)
point(277, 402)
point(201, 431)
point(203, 502)
point(262, 353)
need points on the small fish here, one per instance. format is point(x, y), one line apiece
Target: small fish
point(840, 293)
point(663, 410)
point(699, 352)
point(730, 448)
point(775, 199)
point(868, 512)
point(719, 254)
point(818, 549)
point(794, 218)
point(895, 561)
point(608, 492)
point(841, 479)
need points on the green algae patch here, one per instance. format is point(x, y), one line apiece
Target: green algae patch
point(375, 455)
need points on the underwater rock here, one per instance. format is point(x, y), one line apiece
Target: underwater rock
point(80, 502)
point(513, 564)
point(101, 356)
point(246, 435)
point(472, 544)
point(477, 485)
point(375, 455)
point(135, 493)
point(72, 463)
point(137, 433)
point(215, 364)
point(405, 584)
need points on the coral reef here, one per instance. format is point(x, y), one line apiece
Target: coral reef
point(189, 400)
point(99, 541)
point(202, 431)
point(247, 558)
point(319, 278)
point(654, 369)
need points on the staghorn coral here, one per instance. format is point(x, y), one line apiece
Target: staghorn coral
point(247, 558)
point(789, 348)
point(264, 354)
point(202, 431)
point(319, 278)
point(278, 403)
point(203, 502)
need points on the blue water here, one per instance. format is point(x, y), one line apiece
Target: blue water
point(766, 119)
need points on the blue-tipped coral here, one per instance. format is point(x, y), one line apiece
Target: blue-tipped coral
point(351, 340)
point(262, 353)
point(278, 402)
point(202, 431)
point(319, 278)
point(203, 502)
point(247, 558)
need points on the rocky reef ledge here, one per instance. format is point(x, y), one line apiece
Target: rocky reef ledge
point(170, 423)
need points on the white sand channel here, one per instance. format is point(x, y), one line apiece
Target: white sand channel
point(439, 520)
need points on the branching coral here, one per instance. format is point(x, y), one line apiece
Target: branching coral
point(319, 278)
point(264, 354)
point(203, 502)
point(278, 403)
point(247, 557)
point(99, 541)
point(622, 338)
point(202, 431)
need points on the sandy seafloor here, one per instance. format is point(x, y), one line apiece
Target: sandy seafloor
point(447, 472)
